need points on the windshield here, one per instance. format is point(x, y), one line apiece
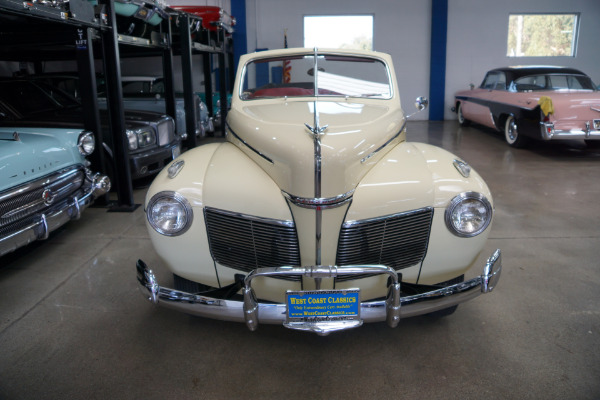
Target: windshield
point(551, 82)
point(143, 88)
point(336, 75)
point(27, 97)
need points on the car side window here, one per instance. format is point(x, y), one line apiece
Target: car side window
point(530, 83)
point(494, 81)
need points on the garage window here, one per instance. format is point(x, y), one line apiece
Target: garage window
point(542, 35)
point(339, 31)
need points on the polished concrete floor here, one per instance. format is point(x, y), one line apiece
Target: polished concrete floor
point(73, 324)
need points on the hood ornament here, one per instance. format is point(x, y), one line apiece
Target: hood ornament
point(317, 130)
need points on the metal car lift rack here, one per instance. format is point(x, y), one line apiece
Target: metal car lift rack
point(38, 31)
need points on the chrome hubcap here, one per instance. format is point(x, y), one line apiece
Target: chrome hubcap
point(512, 130)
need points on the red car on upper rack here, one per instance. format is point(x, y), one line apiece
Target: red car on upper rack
point(534, 102)
point(213, 19)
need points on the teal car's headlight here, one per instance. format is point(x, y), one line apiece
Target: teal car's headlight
point(140, 138)
point(169, 213)
point(468, 214)
point(86, 143)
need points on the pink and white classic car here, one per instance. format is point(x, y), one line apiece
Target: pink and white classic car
point(537, 102)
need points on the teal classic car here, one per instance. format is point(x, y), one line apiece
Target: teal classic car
point(44, 182)
point(216, 101)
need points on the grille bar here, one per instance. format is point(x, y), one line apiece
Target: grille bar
point(398, 240)
point(166, 131)
point(26, 200)
point(245, 242)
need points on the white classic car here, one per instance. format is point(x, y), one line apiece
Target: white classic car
point(316, 213)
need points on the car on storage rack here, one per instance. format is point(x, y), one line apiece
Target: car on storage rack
point(139, 18)
point(144, 93)
point(217, 23)
point(534, 102)
point(44, 182)
point(151, 137)
point(316, 213)
point(148, 93)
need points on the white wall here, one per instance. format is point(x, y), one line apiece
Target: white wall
point(402, 29)
point(477, 36)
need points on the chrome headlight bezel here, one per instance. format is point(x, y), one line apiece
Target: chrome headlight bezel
point(169, 199)
point(86, 143)
point(476, 199)
point(146, 137)
point(140, 138)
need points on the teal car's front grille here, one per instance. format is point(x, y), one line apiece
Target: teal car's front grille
point(19, 203)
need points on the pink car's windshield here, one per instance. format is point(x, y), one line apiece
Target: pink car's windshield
point(331, 74)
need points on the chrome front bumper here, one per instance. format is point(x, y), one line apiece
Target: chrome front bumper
point(252, 312)
point(55, 216)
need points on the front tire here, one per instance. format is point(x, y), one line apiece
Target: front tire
point(511, 133)
point(462, 121)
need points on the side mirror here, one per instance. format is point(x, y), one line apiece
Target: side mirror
point(421, 103)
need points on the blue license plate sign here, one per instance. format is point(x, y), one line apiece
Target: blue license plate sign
point(323, 305)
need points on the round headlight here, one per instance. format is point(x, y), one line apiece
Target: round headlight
point(468, 214)
point(169, 213)
point(145, 137)
point(86, 143)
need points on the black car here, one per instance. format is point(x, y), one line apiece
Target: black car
point(152, 140)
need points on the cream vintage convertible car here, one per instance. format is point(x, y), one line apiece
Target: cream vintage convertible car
point(316, 213)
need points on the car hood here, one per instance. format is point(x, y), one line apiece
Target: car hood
point(274, 134)
point(32, 154)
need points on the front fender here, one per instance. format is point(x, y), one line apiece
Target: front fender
point(416, 175)
point(217, 176)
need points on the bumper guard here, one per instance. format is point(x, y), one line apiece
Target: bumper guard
point(250, 311)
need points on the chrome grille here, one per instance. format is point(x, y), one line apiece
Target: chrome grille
point(26, 200)
point(246, 242)
point(398, 240)
point(166, 131)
